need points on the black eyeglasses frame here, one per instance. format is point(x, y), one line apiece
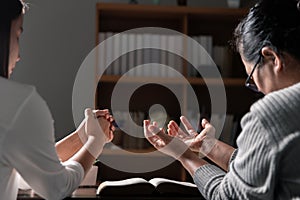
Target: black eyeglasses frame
point(248, 84)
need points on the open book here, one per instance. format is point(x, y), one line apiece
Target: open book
point(142, 187)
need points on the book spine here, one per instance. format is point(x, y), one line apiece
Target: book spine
point(124, 58)
point(109, 52)
point(163, 54)
point(195, 56)
point(101, 55)
point(171, 56)
point(178, 58)
point(116, 54)
point(139, 54)
point(132, 53)
point(155, 54)
point(147, 54)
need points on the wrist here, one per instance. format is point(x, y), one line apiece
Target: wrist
point(191, 162)
point(207, 146)
point(187, 155)
point(82, 136)
point(94, 146)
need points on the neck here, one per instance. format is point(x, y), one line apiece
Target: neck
point(291, 74)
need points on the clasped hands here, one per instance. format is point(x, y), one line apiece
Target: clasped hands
point(96, 130)
point(176, 142)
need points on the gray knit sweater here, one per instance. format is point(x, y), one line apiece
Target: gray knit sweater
point(267, 162)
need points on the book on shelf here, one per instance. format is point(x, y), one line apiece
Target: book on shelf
point(108, 53)
point(116, 54)
point(178, 59)
point(171, 58)
point(195, 54)
point(139, 54)
point(142, 54)
point(163, 54)
point(223, 59)
point(102, 53)
point(132, 53)
point(190, 68)
point(202, 54)
point(142, 187)
point(147, 57)
point(155, 54)
point(123, 68)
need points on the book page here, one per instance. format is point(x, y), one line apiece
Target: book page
point(157, 181)
point(169, 187)
point(129, 181)
point(126, 187)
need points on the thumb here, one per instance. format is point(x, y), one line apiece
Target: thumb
point(153, 129)
point(158, 132)
point(91, 126)
point(146, 132)
point(205, 123)
point(88, 112)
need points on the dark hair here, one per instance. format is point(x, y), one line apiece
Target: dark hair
point(272, 23)
point(9, 10)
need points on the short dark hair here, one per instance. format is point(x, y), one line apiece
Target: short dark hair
point(272, 23)
point(9, 10)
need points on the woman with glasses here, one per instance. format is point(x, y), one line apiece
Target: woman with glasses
point(27, 147)
point(266, 164)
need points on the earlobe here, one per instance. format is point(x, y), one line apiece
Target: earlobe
point(278, 63)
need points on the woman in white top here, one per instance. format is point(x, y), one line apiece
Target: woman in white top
point(27, 144)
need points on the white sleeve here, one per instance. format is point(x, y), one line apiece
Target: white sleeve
point(30, 149)
point(22, 183)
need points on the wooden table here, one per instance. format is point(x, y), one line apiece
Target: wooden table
point(90, 193)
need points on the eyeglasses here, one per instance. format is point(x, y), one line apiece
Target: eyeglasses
point(249, 83)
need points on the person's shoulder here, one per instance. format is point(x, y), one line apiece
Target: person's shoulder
point(10, 87)
point(280, 100)
point(13, 96)
point(278, 112)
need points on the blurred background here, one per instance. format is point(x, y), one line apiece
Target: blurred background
point(58, 35)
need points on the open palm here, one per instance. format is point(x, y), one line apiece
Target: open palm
point(197, 142)
point(163, 142)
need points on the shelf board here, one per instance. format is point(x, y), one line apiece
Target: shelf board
point(193, 81)
point(176, 10)
point(115, 78)
point(214, 81)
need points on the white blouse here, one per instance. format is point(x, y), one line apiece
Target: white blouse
point(27, 146)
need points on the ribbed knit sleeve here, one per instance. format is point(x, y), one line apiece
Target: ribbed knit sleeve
point(232, 157)
point(266, 165)
point(250, 175)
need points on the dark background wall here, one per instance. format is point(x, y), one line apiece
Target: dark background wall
point(58, 35)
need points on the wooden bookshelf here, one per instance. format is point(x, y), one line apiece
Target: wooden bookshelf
point(233, 82)
point(217, 22)
point(191, 21)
